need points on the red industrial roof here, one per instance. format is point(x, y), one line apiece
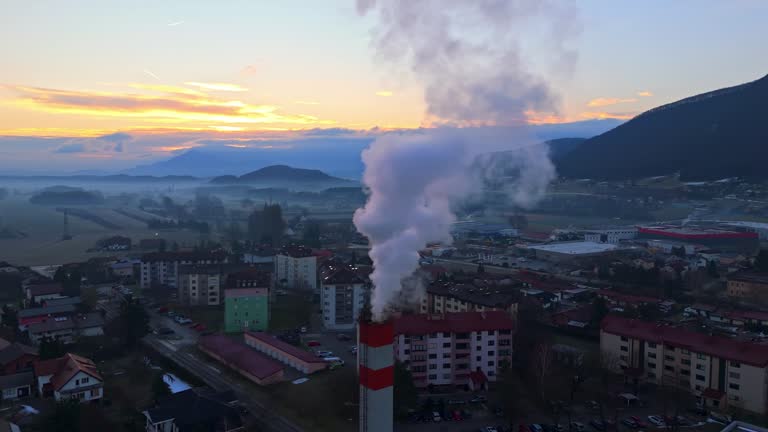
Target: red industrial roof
point(718, 346)
point(287, 348)
point(748, 315)
point(694, 234)
point(240, 355)
point(45, 289)
point(458, 322)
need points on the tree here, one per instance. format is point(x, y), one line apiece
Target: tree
point(64, 418)
point(712, 269)
point(89, 296)
point(761, 261)
point(311, 237)
point(51, 348)
point(540, 366)
point(405, 394)
point(510, 391)
point(70, 279)
point(160, 388)
point(267, 225)
point(133, 322)
point(10, 317)
point(678, 251)
point(600, 309)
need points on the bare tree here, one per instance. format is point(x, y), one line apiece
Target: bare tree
point(540, 364)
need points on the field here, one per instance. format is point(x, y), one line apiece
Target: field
point(44, 226)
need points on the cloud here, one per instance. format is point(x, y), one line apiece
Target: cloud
point(217, 86)
point(251, 69)
point(645, 93)
point(71, 148)
point(385, 93)
point(149, 72)
point(600, 102)
point(175, 23)
point(591, 115)
point(196, 111)
point(303, 102)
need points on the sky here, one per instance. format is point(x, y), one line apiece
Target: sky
point(92, 84)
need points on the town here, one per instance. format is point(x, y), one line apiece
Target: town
point(576, 328)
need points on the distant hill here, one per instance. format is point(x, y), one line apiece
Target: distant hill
point(282, 174)
point(116, 178)
point(559, 148)
point(723, 133)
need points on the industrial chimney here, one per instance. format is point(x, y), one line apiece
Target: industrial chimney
point(375, 362)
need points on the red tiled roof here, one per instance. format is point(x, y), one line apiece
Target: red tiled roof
point(458, 322)
point(749, 315)
point(45, 289)
point(718, 346)
point(64, 368)
point(627, 298)
point(287, 348)
point(240, 355)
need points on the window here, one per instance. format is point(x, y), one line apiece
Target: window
point(734, 375)
point(94, 392)
point(505, 332)
point(491, 363)
point(446, 345)
point(491, 343)
point(446, 365)
point(669, 368)
point(478, 358)
point(699, 377)
point(625, 349)
point(491, 373)
point(685, 372)
point(446, 355)
point(734, 386)
point(432, 366)
point(651, 355)
point(491, 353)
point(505, 342)
point(735, 365)
point(433, 377)
point(432, 356)
point(701, 356)
point(669, 358)
point(624, 339)
point(651, 345)
point(700, 367)
point(434, 335)
point(461, 346)
point(651, 365)
point(623, 357)
point(407, 352)
point(478, 338)
point(504, 352)
point(651, 375)
point(462, 366)
point(684, 351)
point(446, 376)
point(478, 348)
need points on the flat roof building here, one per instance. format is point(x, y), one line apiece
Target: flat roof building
point(241, 358)
point(564, 251)
point(284, 352)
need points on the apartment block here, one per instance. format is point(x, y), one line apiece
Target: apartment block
point(161, 269)
point(461, 349)
point(246, 301)
point(472, 296)
point(720, 371)
point(343, 293)
point(200, 284)
point(296, 268)
point(748, 285)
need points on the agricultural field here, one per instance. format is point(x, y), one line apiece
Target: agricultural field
point(41, 228)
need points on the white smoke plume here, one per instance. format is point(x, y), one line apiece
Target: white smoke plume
point(466, 55)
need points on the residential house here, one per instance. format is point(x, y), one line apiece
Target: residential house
point(67, 330)
point(190, 410)
point(16, 357)
point(31, 316)
point(70, 376)
point(454, 349)
point(721, 372)
point(17, 386)
point(37, 293)
point(480, 292)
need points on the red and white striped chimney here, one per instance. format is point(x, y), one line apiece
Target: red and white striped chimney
point(375, 362)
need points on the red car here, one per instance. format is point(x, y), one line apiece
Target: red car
point(162, 310)
point(639, 422)
point(313, 343)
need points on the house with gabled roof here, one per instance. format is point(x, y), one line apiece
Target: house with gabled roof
point(70, 376)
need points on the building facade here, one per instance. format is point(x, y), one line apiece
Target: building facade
point(343, 294)
point(721, 372)
point(613, 236)
point(472, 296)
point(748, 285)
point(296, 268)
point(162, 268)
point(446, 349)
point(200, 285)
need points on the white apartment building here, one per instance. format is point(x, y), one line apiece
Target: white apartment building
point(296, 268)
point(162, 268)
point(200, 285)
point(720, 371)
point(343, 294)
point(454, 349)
point(612, 236)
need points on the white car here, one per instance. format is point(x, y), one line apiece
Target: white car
point(656, 420)
point(323, 353)
point(436, 417)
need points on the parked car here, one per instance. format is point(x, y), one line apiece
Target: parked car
point(656, 420)
point(593, 405)
point(598, 425)
point(720, 418)
point(303, 329)
point(324, 353)
point(578, 427)
point(630, 423)
point(456, 416)
point(436, 417)
point(184, 321)
point(640, 423)
point(343, 337)
point(535, 427)
point(313, 343)
point(478, 399)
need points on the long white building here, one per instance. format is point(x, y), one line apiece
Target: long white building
point(162, 268)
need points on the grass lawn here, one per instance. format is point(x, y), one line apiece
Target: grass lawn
point(289, 312)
